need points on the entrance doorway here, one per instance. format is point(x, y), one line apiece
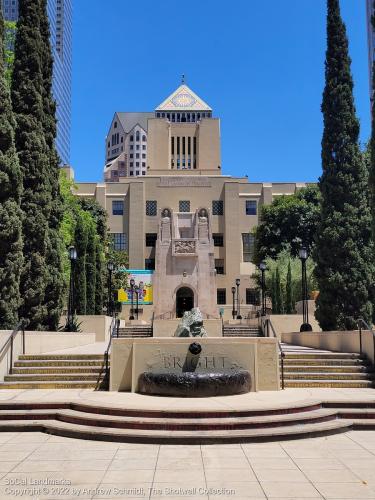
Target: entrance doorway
point(184, 301)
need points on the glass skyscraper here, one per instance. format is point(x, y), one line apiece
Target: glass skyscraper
point(60, 16)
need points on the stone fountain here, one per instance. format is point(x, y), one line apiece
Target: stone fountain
point(194, 377)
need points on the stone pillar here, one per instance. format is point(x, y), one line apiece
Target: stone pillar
point(136, 225)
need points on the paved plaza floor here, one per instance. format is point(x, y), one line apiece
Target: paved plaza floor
point(39, 466)
point(128, 400)
point(42, 466)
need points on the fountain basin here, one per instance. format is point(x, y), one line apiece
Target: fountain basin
point(194, 384)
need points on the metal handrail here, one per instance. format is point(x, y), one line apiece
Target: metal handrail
point(361, 322)
point(105, 364)
point(9, 342)
point(152, 323)
point(268, 324)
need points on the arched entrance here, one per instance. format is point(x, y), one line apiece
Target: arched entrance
point(184, 301)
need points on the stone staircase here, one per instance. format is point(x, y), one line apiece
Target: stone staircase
point(60, 371)
point(138, 331)
point(305, 367)
point(240, 331)
point(96, 422)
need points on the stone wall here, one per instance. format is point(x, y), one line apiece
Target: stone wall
point(130, 357)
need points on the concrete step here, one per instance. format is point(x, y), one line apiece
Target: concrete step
point(328, 376)
point(51, 357)
point(193, 424)
point(354, 384)
point(359, 368)
point(87, 421)
point(56, 362)
point(51, 377)
point(56, 370)
point(320, 356)
point(177, 436)
point(48, 385)
point(323, 362)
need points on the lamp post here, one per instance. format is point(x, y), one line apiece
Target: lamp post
point(238, 281)
point(234, 307)
point(72, 252)
point(132, 283)
point(305, 327)
point(263, 268)
point(110, 268)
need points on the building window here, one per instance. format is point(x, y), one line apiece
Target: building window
point(251, 207)
point(131, 163)
point(131, 155)
point(219, 266)
point(137, 155)
point(115, 124)
point(151, 207)
point(119, 241)
point(143, 147)
point(150, 264)
point(137, 136)
point(143, 155)
point(131, 172)
point(144, 138)
point(247, 247)
point(117, 208)
point(131, 138)
point(137, 172)
point(218, 239)
point(184, 206)
point(151, 239)
point(143, 164)
point(221, 296)
point(217, 207)
point(252, 296)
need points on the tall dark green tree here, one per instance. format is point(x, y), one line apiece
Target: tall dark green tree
point(27, 99)
point(279, 293)
point(10, 198)
point(91, 268)
point(289, 305)
point(55, 281)
point(80, 286)
point(99, 265)
point(372, 145)
point(343, 253)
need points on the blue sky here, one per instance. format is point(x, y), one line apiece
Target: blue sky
point(259, 64)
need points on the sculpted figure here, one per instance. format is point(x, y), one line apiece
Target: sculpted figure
point(191, 324)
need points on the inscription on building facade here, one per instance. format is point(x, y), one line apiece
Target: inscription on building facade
point(184, 182)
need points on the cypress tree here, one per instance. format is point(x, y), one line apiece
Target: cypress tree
point(289, 306)
point(99, 278)
point(10, 198)
point(80, 238)
point(343, 249)
point(279, 293)
point(91, 268)
point(372, 144)
point(27, 100)
point(55, 282)
point(274, 297)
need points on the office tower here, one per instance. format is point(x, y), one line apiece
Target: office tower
point(60, 16)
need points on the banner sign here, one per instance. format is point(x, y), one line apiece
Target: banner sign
point(143, 284)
